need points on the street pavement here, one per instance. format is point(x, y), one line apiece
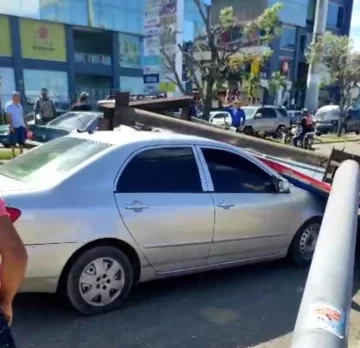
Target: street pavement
point(253, 306)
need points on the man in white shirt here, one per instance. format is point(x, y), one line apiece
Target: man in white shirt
point(17, 125)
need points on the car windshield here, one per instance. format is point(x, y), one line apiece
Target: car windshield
point(52, 161)
point(249, 112)
point(72, 121)
point(327, 115)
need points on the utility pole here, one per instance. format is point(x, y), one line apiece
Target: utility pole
point(314, 78)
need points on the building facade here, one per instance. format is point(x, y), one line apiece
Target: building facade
point(71, 45)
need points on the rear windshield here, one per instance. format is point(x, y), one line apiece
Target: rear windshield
point(52, 161)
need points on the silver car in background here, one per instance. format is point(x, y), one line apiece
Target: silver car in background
point(101, 212)
point(268, 119)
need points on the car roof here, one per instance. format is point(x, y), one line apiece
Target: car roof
point(329, 108)
point(262, 106)
point(126, 135)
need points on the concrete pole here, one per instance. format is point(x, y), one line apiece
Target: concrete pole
point(313, 79)
point(323, 318)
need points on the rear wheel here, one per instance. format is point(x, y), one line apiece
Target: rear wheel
point(302, 248)
point(99, 280)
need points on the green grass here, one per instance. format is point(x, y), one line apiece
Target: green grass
point(6, 154)
point(333, 138)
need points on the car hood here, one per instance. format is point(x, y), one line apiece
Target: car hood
point(4, 129)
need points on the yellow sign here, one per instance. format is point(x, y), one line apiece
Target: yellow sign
point(42, 40)
point(167, 87)
point(255, 67)
point(5, 40)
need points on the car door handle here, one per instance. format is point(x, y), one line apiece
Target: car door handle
point(225, 205)
point(136, 206)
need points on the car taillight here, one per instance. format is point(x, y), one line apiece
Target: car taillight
point(13, 213)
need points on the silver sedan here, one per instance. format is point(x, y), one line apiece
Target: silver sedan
point(101, 212)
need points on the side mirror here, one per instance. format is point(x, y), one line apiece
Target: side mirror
point(258, 115)
point(282, 186)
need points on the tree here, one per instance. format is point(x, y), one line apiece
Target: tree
point(220, 50)
point(342, 63)
point(277, 82)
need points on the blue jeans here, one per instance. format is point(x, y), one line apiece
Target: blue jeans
point(6, 337)
point(17, 137)
point(300, 136)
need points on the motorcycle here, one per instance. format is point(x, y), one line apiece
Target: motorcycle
point(306, 143)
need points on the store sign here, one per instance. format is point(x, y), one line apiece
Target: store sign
point(151, 60)
point(42, 40)
point(5, 38)
point(151, 78)
point(151, 69)
point(151, 45)
point(130, 51)
point(168, 8)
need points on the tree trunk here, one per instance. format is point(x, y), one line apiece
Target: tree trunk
point(207, 108)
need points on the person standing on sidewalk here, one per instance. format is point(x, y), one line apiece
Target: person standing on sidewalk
point(12, 271)
point(44, 107)
point(15, 118)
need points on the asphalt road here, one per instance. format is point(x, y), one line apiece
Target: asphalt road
point(253, 306)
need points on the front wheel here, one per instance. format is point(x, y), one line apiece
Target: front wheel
point(302, 248)
point(248, 130)
point(99, 280)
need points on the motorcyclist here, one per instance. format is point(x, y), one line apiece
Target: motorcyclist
point(306, 125)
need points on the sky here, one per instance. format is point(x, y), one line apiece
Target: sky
point(355, 25)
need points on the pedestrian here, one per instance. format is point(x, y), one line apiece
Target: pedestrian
point(44, 107)
point(17, 125)
point(13, 266)
point(237, 114)
point(82, 103)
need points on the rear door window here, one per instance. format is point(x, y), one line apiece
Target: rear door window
point(161, 170)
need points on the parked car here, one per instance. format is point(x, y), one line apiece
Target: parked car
point(327, 120)
point(106, 212)
point(30, 117)
point(65, 124)
point(220, 118)
point(268, 119)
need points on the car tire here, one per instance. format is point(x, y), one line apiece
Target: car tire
point(86, 286)
point(357, 132)
point(248, 130)
point(307, 233)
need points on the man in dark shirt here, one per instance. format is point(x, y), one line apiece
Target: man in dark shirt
point(44, 107)
point(82, 103)
point(306, 125)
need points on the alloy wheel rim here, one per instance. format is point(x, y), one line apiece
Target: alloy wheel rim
point(101, 282)
point(308, 241)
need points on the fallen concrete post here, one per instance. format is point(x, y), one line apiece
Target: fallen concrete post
point(128, 116)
